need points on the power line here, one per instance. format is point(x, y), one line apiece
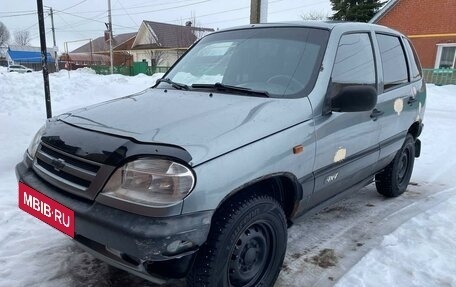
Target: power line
point(79, 23)
point(302, 6)
point(78, 31)
point(221, 12)
point(13, 12)
point(68, 8)
point(164, 9)
point(18, 15)
point(126, 12)
point(36, 23)
point(135, 7)
point(246, 17)
point(94, 20)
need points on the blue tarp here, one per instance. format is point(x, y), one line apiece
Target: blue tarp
point(28, 56)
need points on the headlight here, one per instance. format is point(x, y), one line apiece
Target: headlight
point(35, 142)
point(156, 182)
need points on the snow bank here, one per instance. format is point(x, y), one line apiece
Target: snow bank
point(22, 109)
point(23, 239)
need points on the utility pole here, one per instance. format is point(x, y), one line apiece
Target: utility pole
point(47, 93)
point(110, 35)
point(53, 38)
point(258, 11)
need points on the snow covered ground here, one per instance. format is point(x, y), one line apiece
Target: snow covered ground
point(422, 251)
point(364, 240)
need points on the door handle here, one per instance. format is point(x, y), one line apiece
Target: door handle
point(411, 100)
point(375, 114)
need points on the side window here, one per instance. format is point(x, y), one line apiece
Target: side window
point(415, 68)
point(354, 63)
point(395, 70)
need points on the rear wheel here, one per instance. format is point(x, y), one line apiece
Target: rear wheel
point(246, 245)
point(393, 181)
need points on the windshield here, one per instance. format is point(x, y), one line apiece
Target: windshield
point(283, 62)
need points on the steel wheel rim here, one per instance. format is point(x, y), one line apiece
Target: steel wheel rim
point(403, 166)
point(252, 255)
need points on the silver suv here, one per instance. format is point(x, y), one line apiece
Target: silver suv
point(202, 174)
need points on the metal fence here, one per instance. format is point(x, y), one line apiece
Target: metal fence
point(440, 76)
point(130, 71)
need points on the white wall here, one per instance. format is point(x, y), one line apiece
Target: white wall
point(167, 57)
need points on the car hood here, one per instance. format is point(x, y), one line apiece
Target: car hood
point(206, 125)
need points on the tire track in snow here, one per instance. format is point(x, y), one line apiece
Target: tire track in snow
point(351, 229)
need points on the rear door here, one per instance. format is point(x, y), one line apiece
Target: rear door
point(347, 143)
point(397, 102)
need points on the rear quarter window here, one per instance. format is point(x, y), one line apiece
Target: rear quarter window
point(395, 71)
point(415, 67)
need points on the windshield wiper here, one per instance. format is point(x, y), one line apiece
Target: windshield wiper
point(229, 88)
point(175, 85)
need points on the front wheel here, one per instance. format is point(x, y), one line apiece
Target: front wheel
point(393, 181)
point(246, 245)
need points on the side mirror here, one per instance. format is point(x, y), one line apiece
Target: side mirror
point(354, 99)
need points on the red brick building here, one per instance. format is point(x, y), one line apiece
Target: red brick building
point(430, 24)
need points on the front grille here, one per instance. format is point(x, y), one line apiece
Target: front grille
point(70, 173)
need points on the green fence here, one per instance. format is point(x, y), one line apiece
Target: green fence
point(440, 76)
point(137, 68)
point(105, 70)
point(158, 69)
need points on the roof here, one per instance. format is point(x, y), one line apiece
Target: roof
point(328, 25)
point(174, 36)
point(30, 55)
point(383, 11)
point(100, 45)
point(125, 45)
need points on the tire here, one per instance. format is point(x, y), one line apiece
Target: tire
point(245, 247)
point(394, 179)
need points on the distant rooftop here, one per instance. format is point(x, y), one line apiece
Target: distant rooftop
point(26, 54)
point(100, 45)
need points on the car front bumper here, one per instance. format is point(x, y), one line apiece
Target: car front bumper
point(139, 244)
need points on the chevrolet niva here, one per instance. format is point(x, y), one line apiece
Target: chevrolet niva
point(200, 175)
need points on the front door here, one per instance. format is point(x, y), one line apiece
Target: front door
point(347, 143)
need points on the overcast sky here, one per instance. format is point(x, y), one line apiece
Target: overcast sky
point(84, 19)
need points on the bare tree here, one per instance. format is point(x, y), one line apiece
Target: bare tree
point(315, 15)
point(22, 38)
point(154, 54)
point(157, 56)
point(4, 35)
point(196, 27)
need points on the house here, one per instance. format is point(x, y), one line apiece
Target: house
point(96, 52)
point(27, 56)
point(431, 26)
point(157, 44)
point(161, 44)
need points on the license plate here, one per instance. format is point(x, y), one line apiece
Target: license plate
point(46, 209)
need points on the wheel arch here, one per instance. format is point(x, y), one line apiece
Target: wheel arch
point(284, 187)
